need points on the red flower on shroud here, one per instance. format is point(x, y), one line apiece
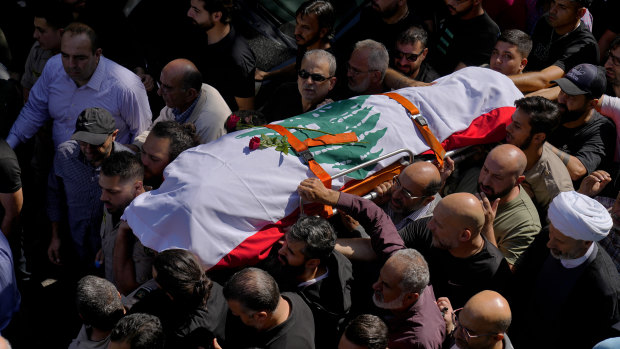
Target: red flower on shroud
point(254, 143)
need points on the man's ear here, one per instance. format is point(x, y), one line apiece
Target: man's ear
point(581, 12)
point(217, 16)
point(260, 315)
point(114, 135)
point(520, 179)
point(424, 53)
point(191, 94)
point(332, 82)
point(539, 138)
point(98, 52)
point(523, 63)
point(465, 235)
point(323, 33)
point(313, 263)
point(138, 187)
point(411, 298)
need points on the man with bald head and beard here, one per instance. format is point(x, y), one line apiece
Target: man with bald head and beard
point(512, 221)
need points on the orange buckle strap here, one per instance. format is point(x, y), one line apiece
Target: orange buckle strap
point(420, 122)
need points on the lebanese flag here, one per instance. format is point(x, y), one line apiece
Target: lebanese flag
point(229, 204)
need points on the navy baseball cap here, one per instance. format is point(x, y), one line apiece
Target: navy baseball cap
point(584, 79)
point(93, 126)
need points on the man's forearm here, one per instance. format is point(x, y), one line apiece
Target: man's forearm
point(534, 81)
point(575, 168)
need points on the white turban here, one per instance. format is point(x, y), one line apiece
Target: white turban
point(579, 217)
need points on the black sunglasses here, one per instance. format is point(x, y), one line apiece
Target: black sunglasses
point(315, 77)
point(411, 57)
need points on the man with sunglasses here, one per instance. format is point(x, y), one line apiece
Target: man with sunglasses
point(74, 206)
point(409, 55)
point(315, 80)
point(481, 324)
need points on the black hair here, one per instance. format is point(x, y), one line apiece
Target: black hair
point(413, 35)
point(223, 6)
point(254, 289)
point(56, 15)
point(518, 38)
point(368, 331)
point(77, 28)
point(179, 273)
point(182, 137)
point(324, 12)
point(544, 114)
point(140, 331)
point(124, 164)
point(318, 236)
point(615, 43)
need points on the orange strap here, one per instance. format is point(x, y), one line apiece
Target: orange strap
point(302, 149)
point(421, 124)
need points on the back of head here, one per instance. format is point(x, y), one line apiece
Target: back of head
point(191, 76)
point(466, 210)
point(490, 310)
point(426, 175)
point(414, 270)
point(98, 302)
point(77, 28)
point(520, 39)
point(224, 6)
point(179, 273)
point(182, 137)
point(318, 235)
point(615, 43)
point(254, 289)
point(324, 12)
point(544, 114)
point(367, 331)
point(139, 331)
point(378, 57)
point(123, 164)
point(319, 54)
point(413, 35)
point(56, 15)
point(510, 157)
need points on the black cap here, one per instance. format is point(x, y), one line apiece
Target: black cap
point(93, 126)
point(584, 79)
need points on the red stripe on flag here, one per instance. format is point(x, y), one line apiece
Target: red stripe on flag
point(487, 128)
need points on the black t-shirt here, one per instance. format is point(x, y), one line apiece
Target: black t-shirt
point(296, 332)
point(228, 65)
point(469, 41)
point(592, 143)
point(426, 73)
point(10, 180)
point(458, 278)
point(566, 51)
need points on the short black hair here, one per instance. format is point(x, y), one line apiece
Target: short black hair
point(615, 43)
point(182, 137)
point(324, 12)
point(57, 16)
point(518, 38)
point(583, 3)
point(77, 28)
point(98, 302)
point(368, 331)
point(413, 35)
point(140, 331)
point(318, 236)
point(544, 114)
point(254, 289)
point(224, 6)
point(124, 164)
point(179, 273)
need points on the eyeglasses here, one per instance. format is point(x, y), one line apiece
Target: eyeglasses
point(466, 331)
point(398, 185)
point(357, 71)
point(614, 59)
point(411, 57)
point(315, 77)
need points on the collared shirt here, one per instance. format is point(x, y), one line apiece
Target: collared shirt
point(74, 195)
point(181, 117)
point(56, 96)
point(422, 212)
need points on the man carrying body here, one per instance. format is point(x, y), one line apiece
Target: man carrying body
point(121, 181)
point(188, 100)
point(225, 60)
point(585, 139)
point(545, 174)
point(466, 38)
point(509, 56)
point(77, 79)
point(314, 29)
point(560, 42)
point(573, 287)
point(366, 68)
point(410, 53)
point(403, 288)
point(315, 80)
point(73, 191)
point(264, 317)
point(460, 260)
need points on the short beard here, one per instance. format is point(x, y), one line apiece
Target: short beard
point(393, 304)
point(526, 143)
point(493, 197)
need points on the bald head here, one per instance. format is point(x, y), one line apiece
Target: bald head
point(465, 210)
point(508, 157)
point(422, 174)
point(420, 180)
point(489, 310)
point(185, 72)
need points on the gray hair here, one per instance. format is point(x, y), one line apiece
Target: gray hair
point(378, 57)
point(98, 302)
point(415, 274)
point(322, 54)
